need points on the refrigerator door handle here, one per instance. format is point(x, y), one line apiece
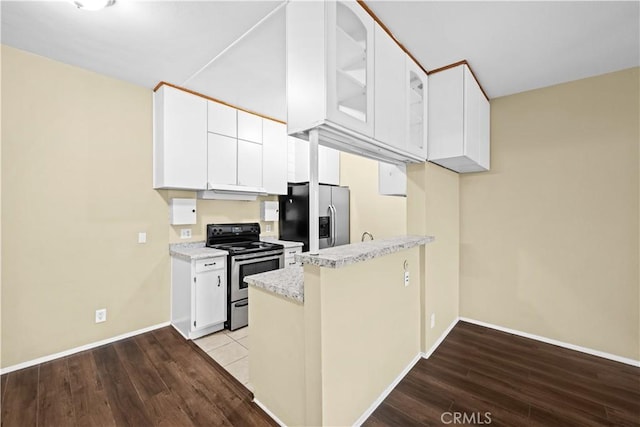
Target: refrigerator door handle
point(332, 219)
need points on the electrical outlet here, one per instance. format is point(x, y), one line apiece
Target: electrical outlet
point(406, 278)
point(185, 233)
point(101, 315)
point(268, 230)
point(142, 237)
point(433, 320)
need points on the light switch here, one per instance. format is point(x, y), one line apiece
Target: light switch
point(142, 237)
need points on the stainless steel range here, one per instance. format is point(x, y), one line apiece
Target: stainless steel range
point(247, 256)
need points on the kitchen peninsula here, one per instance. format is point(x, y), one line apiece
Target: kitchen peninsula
point(328, 338)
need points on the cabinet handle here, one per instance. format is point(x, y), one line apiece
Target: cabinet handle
point(292, 263)
point(209, 265)
point(219, 281)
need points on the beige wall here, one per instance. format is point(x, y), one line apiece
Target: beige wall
point(277, 358)
point(549, 237)
point(382, 216)
point(433, 209)
point(358, 329)
point(370, 332)
point(76, 190)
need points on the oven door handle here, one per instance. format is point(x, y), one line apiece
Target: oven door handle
point(258, 256)
point(241, 304)
point(257, 259)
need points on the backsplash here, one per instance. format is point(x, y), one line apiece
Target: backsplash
point(220, 211)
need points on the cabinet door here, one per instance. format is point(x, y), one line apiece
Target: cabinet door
point(180, 140)
point(249, 164)
point(249, 127)
point(476, 121)
point(390, 91)
point(274, 152)
point(209, 300)
point(222, 160)
point(301, 161)
point(446, 121)
point(350, 64)
point(222, 119)
point(219, 303)
point(328, 165)
point(416, 86)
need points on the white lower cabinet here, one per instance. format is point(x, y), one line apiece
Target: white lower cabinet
point(198, 295)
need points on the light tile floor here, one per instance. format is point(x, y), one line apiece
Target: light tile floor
point(231, 350)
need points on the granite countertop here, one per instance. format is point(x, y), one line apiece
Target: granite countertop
point(194, 250)
point(288, 282)
point(341, 256)
point(285, 243)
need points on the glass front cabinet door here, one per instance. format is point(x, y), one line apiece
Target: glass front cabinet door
point(350, 66)
point(416, 98)
point(329, 66)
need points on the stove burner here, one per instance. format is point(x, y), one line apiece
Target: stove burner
point(238, 238)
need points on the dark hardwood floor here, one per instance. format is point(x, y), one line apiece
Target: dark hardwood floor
point(479, 375)
point(154, 379)
point(498, 379)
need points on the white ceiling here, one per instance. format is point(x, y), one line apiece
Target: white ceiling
point(511, 46)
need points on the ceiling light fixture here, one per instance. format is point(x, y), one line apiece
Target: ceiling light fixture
point(93, 4)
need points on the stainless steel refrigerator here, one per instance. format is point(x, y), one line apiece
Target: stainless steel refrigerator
point(333, 229)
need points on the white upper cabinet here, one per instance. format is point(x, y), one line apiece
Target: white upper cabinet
point(328, 166)
point(222, 119)
point(179, 140)
point(249, 164)
point(249, 127)
point(298, 163)
point(274, 146)
point(459, 120)
point(416, 86)
point(349, 79)
point(390, 91)
point(329, 66)
point(234, 154)
point(400, 98)
point(222, 155)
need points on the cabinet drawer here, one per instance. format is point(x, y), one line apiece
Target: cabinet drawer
point(290, 256)
point(290, 252)
point(210, 264)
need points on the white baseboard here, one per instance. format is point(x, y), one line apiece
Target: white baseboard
point(69, 352)
point(388, 390)
point(586, 350)
point(271, 414)
point(429, 352)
